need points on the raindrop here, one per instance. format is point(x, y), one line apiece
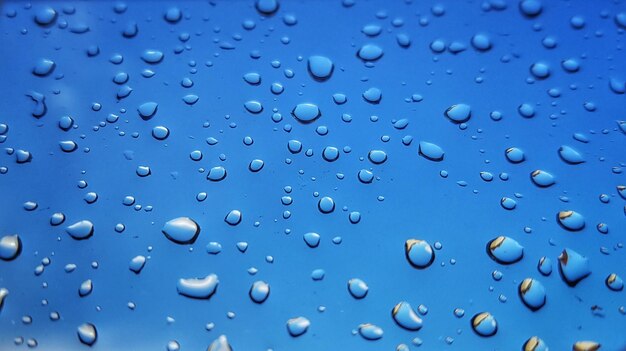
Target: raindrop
point(484, 324)
point(357, 288)
point(181, 230)
point(298, 326)
point(419, 253)
point(404, 315)
point(259, 291)
point(573, 267)
point(532, 293)
point(198, 288)
point(505, 250)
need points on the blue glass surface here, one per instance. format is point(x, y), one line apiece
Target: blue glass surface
point(300, 175)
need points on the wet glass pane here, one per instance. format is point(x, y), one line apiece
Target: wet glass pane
point(312, 175)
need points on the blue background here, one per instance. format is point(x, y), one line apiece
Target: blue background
point(418, 202)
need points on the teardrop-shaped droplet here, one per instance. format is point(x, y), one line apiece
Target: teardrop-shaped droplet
point(542, 179)
point(80, 230)
point(545, 266)
point(573, 267)
point(181, 230)
point(430, 151)
point(137, 263)
point(370, 331)
point(571, 220)
point(220, 344)
point(233, 217)
point(514, 155)
point(86, 288)
point(532, 293)
point(614, 282)
point(570, 155)
point(459, 113)
point(298, 326)
point(198, 288)
point(147, 110)
point(320, 67)
point(312, 239)
point(404, 315)
point(87, 334)
point(216, 174)
point(505, 250)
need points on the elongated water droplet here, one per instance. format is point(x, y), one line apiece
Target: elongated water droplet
point(404, 315)
point(80, 230)
point(198, 288)
point(87, 334)
point(181, 230)
point(298, 326)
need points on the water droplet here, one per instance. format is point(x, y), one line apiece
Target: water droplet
point(419, 253)
point(326, 204)
point(137, 264)
point(147, 110)
point(505, 250)
point(45, 16)
point(357, 288)
point(370, 331)
point(571, 220)
point(259, 291)
point(306, 113)
point(320, 67)
point(298, 326)
point(85, 288)
point(152, 56)
point(542, 179)
point(173, 15)
point(80, 230)
point(87, 334)
point(573, 267)
point(545, 266)
point(267, 7)
point(373, 95)
point(532, 293)
point(198, 288)
point(233, 217)
point(370, 52)
point(43, 67)
point(312, 239)
point(365, 176)
point(534, 344)
point(377, 156)
point(10, 247)
point(514, 155)
point(216, 174)
point(570, 155)
point(430, 151)
point(253, 106)
point(484, 324)
point(459, 113)
point(181, 230)
point(586, 346)
point(404, 315)
point(614, 282)
point(220, 344)
point(530, 8)
point(160, 132)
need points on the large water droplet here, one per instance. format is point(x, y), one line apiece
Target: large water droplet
point(306, 113)
point(532, 293)
point(419, 253)
point(505, 250)
point(573, 267)
point(298, 326)
point(571, 220)
point(459, 113)
point(357, 288)
point(320, 67)
point(484, 324)
point(198, 288)
point(80, 230)
point(87, 334)
point(370, 331)
point(181, 230)
point(10, 247)
point(259, 291)
point(404, 315)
